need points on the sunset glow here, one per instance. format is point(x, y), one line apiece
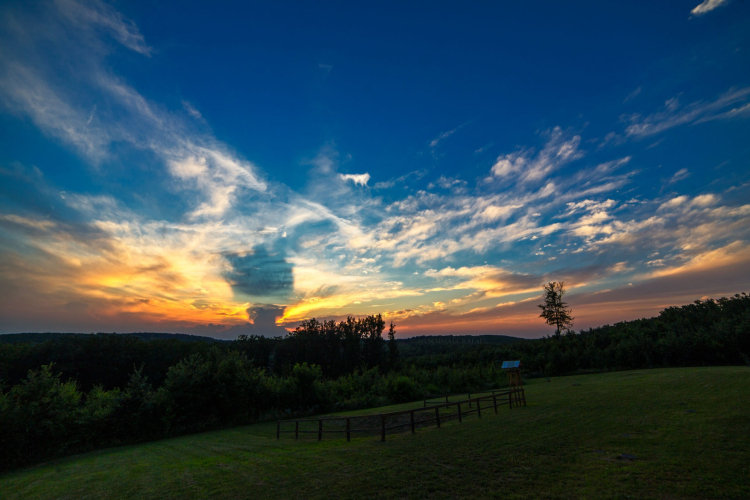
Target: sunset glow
point(292, 181)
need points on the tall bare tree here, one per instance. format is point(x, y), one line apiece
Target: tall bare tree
point(554, 311)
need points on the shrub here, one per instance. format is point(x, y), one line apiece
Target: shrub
point(402, 389)
point(38, 417)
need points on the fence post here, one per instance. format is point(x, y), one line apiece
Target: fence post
point(459, 412)
point(296, 430)
point(348, 430)
point(320, 430)
point(413, 430)
point(278, 429)
point(382, 427)
point(479, 408)
point(446, 398)
point(469, 400)
point(494, 401)
point(437, 416)
point(510, 399)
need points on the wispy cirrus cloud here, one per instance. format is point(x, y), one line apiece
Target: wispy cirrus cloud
point(95, 16)
point(633, 94)
point(674, 114)
point(679, 175)
point(28, 88)
point(559, 150)
point(190, 109)
point(414, 175)
point(707, 6)
point(437, 140)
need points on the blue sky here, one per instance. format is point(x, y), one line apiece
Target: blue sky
point(238, 168)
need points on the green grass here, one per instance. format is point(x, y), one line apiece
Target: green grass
point(564, 444)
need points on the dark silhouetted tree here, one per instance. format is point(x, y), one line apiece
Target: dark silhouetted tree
point(554, 311)
point(373, 345)
point(393, 357)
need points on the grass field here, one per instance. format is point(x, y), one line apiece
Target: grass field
point(564, 444)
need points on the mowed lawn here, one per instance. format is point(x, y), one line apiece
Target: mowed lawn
point(689, 429)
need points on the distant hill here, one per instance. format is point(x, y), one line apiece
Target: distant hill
point(444, 344)
point(17, 338)
point(461, 339)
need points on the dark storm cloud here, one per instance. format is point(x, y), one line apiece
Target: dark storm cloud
point(261, 273)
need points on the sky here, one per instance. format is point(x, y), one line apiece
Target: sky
point(238, 168)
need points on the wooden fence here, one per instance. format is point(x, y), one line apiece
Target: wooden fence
point(438, 399)
point(405, 419)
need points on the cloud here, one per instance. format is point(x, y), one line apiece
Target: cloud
point(28, 88)
point(707, 6)
point(260, 273)
point(214, 172)
point(620, 267)
point(318, 296)
point(436, 141)
point(214, 251)
point(674, 202)
point(741, 112)
point(508, 165)
point(483, 148)
point(558, 151)
point(493, 213)
point(198, 162)
point(589, 205)
point(191, 110)
point(684, 202)
point(447, 183)
point(705, 200)
point(736, 253)
point(490, 280)
point(95, 15)
point(633, 94)
point(23, 92)
point(219, 248)
point(679, 175)
point(116, 269)
point(27, 222)
point(416, 175)
point(360, 179)
point(674, 114)
point(430, 226)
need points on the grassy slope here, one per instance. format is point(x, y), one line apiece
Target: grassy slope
point(546, 450)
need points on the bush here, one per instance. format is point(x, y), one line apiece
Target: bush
point(402, 389)
point(38, 418)
point(98, 417)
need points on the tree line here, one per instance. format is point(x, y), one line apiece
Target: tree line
point(107, 360)
point(707, 332)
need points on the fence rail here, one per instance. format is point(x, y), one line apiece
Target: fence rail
point(510, 397)
point(433, 400)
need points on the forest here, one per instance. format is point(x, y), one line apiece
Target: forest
point(72, 392)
